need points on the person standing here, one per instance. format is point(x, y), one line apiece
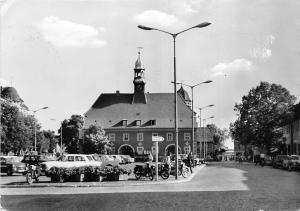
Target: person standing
point(191, 161)
point(150, 157)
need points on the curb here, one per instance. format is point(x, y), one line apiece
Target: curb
point(181, 180)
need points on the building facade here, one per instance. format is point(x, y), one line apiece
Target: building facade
point(291, 137)
point(130, 120)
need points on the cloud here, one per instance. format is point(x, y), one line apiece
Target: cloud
point(264, 52)
point(64, 33)
point(261, 53)
point(234, 66)
point(182, 7)
point(156, 18)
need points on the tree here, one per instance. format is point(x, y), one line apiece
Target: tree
point(219, 135)
point(47, 141)
point(260, 115)
point(95, 141)
point(71, 128)
point(17, 128)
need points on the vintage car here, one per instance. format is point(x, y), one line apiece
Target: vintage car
point(279, 161)
point(105, 160)
point(292, 163)
point(127, 158)
point(70, 160)
point(118, 158)
point(12, 164)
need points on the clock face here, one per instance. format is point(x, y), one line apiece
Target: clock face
point(139, 87)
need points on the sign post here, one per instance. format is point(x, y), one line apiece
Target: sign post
point(156, 139)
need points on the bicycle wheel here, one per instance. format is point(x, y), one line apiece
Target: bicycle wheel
point(185, 172)
point(29, 178)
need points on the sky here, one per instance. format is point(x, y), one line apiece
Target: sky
point(64, 53)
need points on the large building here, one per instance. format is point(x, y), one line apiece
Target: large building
point(131, 119)
point(291, 133)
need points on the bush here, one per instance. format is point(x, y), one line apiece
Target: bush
point(91, 173)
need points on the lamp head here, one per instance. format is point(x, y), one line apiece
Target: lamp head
point(45, 107)
point(211, 105)
point(201, 25)
point(144, 27)
point(206, 82)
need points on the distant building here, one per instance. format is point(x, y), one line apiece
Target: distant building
point(291, 133)
point(131, 119)
point(206, 137)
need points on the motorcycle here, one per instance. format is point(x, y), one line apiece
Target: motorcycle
point(144, 171)
point(163, 170)
point(33, 172)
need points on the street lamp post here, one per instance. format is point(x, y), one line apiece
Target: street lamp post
point(200, 113)
point(204, 136)
point(192, 89)
point(61, 131)
point(34, 112)
point(201, 25)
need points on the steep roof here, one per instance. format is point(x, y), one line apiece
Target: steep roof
point(110, 109)
point(184, 94)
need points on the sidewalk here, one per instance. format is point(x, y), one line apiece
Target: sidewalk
point(131, 182)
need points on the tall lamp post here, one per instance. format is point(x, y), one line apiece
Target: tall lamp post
point(61, 131)
point(34, 112)
point(192, 89)
point(201, 25)
point(204, 136)
point(200, 113)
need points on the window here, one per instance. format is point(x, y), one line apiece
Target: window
point(79, 158)
point(140, 137)
point(125, 136)
point(153, 122)
point(71, 158)
point(187, 149)
point(169, 136)
point(112, 136)
point(124, 122)
point(140, 150)
point(187, 136)
point(138, 122)
point(89, 158)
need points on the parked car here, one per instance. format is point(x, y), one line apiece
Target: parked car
point(105, 160)
point(12, 164)
point(71, 160)
point(127, 158)
point(278, 161)
point(292, 163)
point(118, 158)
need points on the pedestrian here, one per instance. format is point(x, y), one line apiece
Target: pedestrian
point(190, 161)
point(150, 157)
point(262, 159)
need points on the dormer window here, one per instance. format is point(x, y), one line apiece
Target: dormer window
point(138, 122)
point(124, 122)
point(153, 122)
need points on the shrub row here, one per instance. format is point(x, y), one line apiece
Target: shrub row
point(87, 173)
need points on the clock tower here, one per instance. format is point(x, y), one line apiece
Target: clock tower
point(139, 82)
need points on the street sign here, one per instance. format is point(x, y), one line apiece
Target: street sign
point(157, 138)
